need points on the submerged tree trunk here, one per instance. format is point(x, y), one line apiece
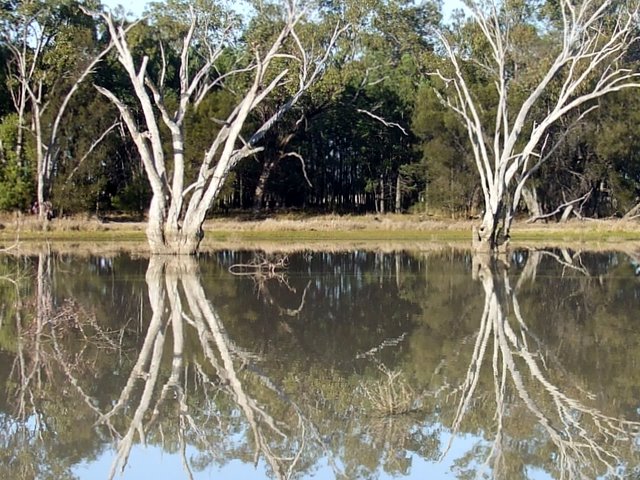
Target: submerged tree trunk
point(170, 236)
point(492, 235)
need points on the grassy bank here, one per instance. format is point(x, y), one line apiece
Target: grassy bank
point(321, 228)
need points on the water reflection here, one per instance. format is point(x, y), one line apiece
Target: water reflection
point(342, 365)
point(584, 441)
point(178, 301)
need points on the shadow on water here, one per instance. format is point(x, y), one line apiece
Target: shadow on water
point(350, 365)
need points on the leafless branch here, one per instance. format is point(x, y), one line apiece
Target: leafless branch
point(563, 207)
point(92, 147)
point(383, 121)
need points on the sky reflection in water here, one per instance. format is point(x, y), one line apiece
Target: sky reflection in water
point(531, 368)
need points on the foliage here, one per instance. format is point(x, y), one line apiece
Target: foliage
point(369, 136)
point(16, 175)
point(451, 186)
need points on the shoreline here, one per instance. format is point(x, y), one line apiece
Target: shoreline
point(328, 231)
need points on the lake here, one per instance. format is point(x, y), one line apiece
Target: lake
point(320, 364)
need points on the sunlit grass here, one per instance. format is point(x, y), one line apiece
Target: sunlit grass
point(324, 228)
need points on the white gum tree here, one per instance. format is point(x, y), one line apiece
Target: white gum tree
point(285, 62)
point(42, 95)
point(586, 42)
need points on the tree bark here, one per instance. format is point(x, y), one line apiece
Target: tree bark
point(493, 233)
point(258, 196)
point(170, 237)
point(398, 194)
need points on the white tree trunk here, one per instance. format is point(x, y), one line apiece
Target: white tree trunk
point(398, 204)
point(177, 212)
point(595, 36)
point(530, 198)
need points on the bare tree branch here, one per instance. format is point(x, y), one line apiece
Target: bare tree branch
point(383, 121)
point(587, 64)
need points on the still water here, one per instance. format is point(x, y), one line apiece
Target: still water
point(348, 365)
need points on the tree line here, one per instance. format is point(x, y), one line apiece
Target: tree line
point(342, 106)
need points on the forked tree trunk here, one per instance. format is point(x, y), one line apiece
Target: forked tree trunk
point(179, 207)
point(494, 232)
point(171, 236)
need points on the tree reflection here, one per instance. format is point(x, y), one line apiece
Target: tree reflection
point(178, 302)
point(176, 379)
point(264, 270)
point(34, 416)
point(586, 442)
point(347, 361)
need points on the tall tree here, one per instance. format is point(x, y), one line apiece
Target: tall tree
point(358, 139)
point(206, 46)
point(584, 43)
point(53, 49)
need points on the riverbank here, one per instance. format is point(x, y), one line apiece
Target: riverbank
point(321, 228)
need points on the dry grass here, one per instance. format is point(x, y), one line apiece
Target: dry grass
point(287, 232)
point(344, 223)
point(81, 223)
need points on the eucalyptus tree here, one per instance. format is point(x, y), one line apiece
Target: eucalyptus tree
point(53, 48)
point(359, 140)
point(578, 59)
point(280, 141)
point(211, 53)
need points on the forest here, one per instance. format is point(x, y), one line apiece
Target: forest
point(351, 112)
